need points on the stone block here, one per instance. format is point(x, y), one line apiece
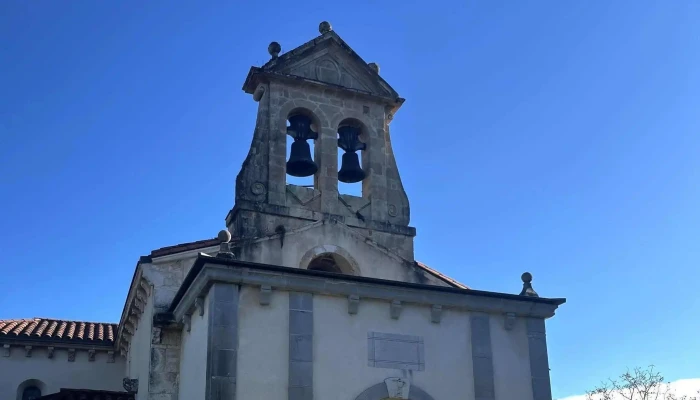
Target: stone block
point(162, 382)
point(300, 374)
point(300, 301)
point(301, 322)
point(222, 388)
point(301, 348)
point(300, 393)
point(224, 363)
point(158, 359)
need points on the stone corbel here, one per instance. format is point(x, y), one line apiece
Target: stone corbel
point(91, 355)
point(199, 305)
point(139, 305)
point(130, 385)
point(509, 321)
point(398, 388)
point(265, 295)
point(6, 350)
point(395, 309)
point(187, 321)
point(258, 93)
point(156, 335)
point(110, 356)
point(50, 351)
point(436, 313)
point(71, 355)
point(353, 304)
point(27, 351)
point(145, 286)
point(129, 328)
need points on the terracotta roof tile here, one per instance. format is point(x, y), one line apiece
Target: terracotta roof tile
point(53, 330)
point(179, 248)
point(441, 276)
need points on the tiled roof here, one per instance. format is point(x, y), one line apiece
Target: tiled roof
point(79, 394)
point(442, 276)
point(200, 244)
point(56, 330)
point(179, 248)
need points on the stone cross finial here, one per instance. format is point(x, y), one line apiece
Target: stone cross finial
point(527, 285)
point(324, 27)
point(274, 49)
point(224, 237)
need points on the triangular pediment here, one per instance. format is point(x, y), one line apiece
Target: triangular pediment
point(328, 59)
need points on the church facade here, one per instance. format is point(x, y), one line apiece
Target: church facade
point(308, 293)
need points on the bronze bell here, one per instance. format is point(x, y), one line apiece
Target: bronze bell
point(300, 162)
point(350, 170)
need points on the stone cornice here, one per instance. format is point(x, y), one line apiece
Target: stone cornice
point(139, 291)
point(208, 270)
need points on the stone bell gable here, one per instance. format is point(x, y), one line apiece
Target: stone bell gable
point(323, 93)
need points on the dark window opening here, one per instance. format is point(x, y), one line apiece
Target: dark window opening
point(31, 393)
point(325, 263)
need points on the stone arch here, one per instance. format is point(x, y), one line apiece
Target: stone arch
point(28, 385)
point(380, 392)
point(344, 260)
point(364, 123)
point(304, 106)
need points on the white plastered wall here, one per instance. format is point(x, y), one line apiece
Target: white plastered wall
point(138, 358)
point(57, 372)
point(193, 359)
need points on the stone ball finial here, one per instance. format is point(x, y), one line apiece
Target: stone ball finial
point(374, 67)
point(324, 27)
point(527, 285)
point(274, 49)
point(224, 236)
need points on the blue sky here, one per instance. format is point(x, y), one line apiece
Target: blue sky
point(557, 137)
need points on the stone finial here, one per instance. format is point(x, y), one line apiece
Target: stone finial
point(374, 67)
point(274, 49)
point(324, 27)
point(224, 237)
point(527, 285)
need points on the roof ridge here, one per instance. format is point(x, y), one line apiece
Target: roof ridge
point(33, 319)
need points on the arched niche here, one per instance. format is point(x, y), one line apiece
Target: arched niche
point(381, 392)
point(330, 258)
point(31, 389)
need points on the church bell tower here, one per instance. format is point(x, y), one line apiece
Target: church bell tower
point(320, 93)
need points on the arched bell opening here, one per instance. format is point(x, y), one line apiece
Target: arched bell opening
point(352, 144)
point(331, 262)
point(302, 133)
point(330, 258)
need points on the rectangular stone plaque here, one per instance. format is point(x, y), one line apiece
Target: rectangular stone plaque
point(389, 350)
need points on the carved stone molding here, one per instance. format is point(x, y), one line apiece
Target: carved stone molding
point(91, 355)
point(131, 385)
point(71, 355)
point(156, 335)
point(136, 304)
point(199, 306)
point(398, 388)
point(187, 321)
